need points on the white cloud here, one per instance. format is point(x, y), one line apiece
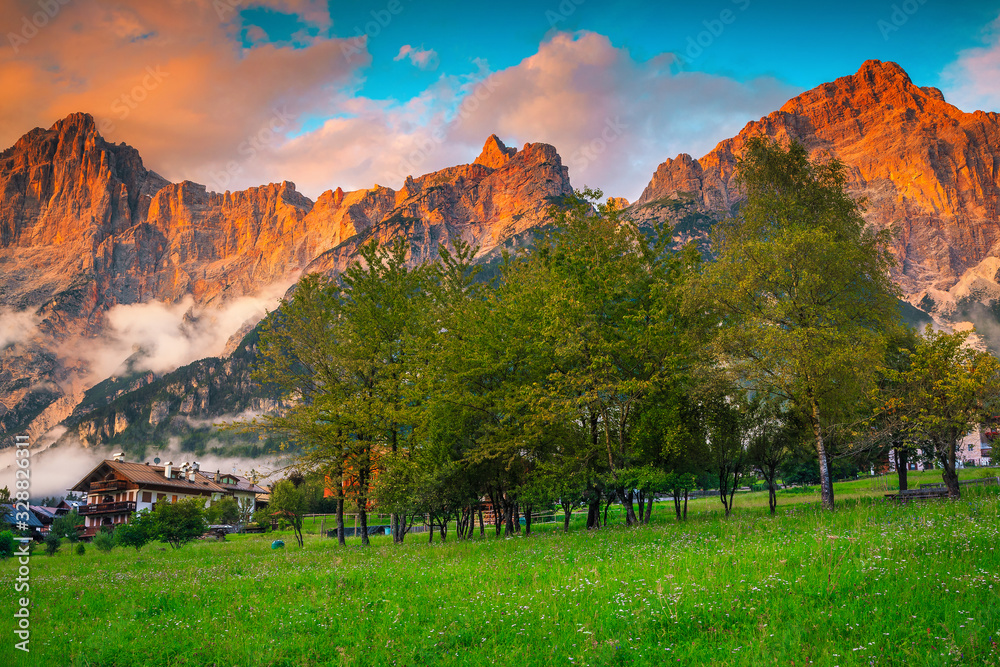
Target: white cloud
point(972, 82)
point(424, 59)
point(161, 337)
point(16, 326)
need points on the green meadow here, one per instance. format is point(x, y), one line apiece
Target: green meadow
point(873, 583)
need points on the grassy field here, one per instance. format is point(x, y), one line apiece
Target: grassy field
point(873, 583)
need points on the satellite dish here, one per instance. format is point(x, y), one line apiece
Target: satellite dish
point(156, 460)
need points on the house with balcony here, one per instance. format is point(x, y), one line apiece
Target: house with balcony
point(116, 489)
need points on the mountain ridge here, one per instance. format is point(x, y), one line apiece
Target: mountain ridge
point(928, 171)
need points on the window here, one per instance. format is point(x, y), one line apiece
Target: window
point(174, 499)
point(147, 497)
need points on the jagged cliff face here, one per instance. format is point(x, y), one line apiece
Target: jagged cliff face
point(501, 195)
point(85, 227)
point(928, 170)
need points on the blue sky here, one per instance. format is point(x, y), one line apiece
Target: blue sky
point(801, 43)
point(263, 90)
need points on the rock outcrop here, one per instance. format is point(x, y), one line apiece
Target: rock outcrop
point(501, 195)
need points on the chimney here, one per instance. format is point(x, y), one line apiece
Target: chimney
point(168, 468)
point(191, 474)
point(118, 456)
point(216, 476)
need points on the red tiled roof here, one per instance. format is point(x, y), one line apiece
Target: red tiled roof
point(148, 475)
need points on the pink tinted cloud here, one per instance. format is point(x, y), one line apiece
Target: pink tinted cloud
point(170, 78)
point(972, 82)
point(426, 59)
point(613, 119)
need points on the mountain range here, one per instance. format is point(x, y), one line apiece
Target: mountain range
point(128, 302)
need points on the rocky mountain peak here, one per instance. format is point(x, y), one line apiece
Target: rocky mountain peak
point(926, 169)
point(494, 154)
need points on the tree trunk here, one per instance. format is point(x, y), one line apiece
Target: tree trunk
point(825, 478)
point(685, 504)
point(649, 506)
point(363, 517)
point(610, 498)
point(341, 539)
point(594, 514)
point(642, 507)
point(630, 518)
point(527, 520)
point(517, 517)
point(772, 497)
point(430, 529)
point(677, 503)
point(950, 474)
point(444, 527)
point(394, 528)
point(508, 519)
point(567, 514)
point(482, 526)
point(902, 466)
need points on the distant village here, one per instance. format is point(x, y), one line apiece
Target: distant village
point(115, 490)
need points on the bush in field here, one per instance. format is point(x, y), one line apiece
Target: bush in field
point(52, 543)
point(6, 544)
point(104, 541)
point(179, 523)
point(80, 549)
point(136, 533)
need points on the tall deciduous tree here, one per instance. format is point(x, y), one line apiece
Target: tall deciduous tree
point(801, 287)
point(948, 389)
point(339, 350)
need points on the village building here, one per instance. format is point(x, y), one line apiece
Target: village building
point(116, 489)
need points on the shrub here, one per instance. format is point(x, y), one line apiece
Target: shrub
point(6, 544)
point(80, 549)
point(180, 522)
point(52, 542)
point(104, 541)
point(137, 533)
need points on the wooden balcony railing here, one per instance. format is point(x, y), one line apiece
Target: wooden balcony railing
point(108, 508)
point(107, 485)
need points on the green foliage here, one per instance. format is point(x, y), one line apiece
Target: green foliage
point(946, 390)
point(52, 543)
point(5, 496)
point(80, 549)
point(341, 347)
point(801, 288)
point(6, 544)
point(223, 511)
point(136, 533)
point(178, 523)
point(66, 526)
point(106, 541)
point(288, 502)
